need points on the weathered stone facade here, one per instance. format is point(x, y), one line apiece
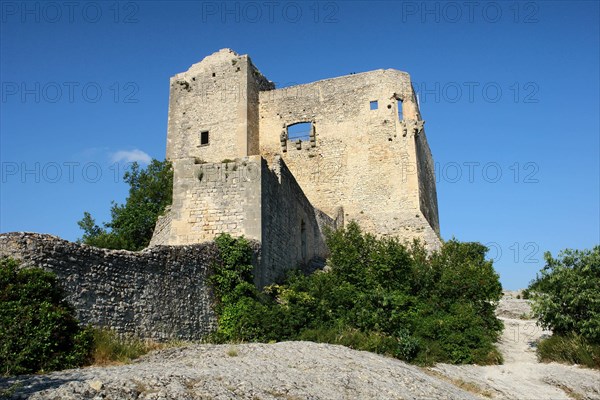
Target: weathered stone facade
point(239, 168)
point(161, 292)
point(249, 197)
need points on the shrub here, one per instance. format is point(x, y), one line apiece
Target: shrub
point(378, 295)
point(38, 328)
point(565, 294)
point(566, 300)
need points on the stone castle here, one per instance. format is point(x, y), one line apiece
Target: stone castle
point(280, 165)
point(242, 166)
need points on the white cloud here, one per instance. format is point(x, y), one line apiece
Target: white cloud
point(131, 156)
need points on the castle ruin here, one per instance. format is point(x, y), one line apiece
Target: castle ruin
point(242, 167)
point(280, 165)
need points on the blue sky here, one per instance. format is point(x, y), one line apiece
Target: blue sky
point(509, 91)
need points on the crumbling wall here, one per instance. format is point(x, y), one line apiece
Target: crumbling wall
point(212, 198)
point(246, 197)
point(363, 157)
point(161, 292)
point(212, 96)
point(292, 230)
point(426, 175)
point(162, 229)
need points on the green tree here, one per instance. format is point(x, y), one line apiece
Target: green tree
point(38, 328)
point(566, 295)
point(132, 223)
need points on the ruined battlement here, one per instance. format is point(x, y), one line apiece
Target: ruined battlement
point(346, 148)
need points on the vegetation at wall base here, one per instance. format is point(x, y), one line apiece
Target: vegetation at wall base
point(38, 329)
point(569, 349)
point(132, 223)
point(566, 299)
point(109, 348)
point(378, 295)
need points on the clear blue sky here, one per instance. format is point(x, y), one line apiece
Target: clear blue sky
point(509, 92)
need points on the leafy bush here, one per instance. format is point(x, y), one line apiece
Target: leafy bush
point(38, 328)
point(565, 299)
point(132, 223)
point(378, 295)
point(565, 295)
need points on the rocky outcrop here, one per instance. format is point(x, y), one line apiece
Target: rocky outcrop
point(288, 370)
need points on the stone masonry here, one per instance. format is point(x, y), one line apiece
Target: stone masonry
point(162, 292)
point(240, 166)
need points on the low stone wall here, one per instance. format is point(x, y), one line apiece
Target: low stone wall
point(160, 293)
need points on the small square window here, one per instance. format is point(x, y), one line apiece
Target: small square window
point(373, 105)
point(204, 138)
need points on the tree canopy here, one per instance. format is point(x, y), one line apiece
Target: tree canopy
point(132, 224)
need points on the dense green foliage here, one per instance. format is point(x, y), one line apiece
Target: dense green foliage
point(566, 295)
point(38, 329)
point(566, 299)
point(132, 223)
point(378, 295)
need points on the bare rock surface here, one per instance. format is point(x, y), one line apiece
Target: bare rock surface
point(522, 376)
point(305, 370)
point(287, 370)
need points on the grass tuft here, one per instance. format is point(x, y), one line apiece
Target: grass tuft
point(109, 348)
point(232, 351)
point(571, 349)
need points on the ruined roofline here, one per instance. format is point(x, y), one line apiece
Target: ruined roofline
point(216, 57)
point(227, 53)
point(348, 76)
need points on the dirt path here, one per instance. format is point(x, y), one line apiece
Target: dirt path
point(522, 376)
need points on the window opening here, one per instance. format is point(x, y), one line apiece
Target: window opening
point(204, 138)
point(299, 131)
point(400, 115)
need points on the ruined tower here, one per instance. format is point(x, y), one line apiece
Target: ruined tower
point(242, 166)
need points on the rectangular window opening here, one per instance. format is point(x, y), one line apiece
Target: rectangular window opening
point(204, 138)
point(299, 131)
point(400, 115)
point(373, 105)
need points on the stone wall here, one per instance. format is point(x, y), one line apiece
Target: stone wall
point(366, 154)
point(213, 96)
point(247, 197)
point(363, 157)
point(162, 229)
point(211, 198)
point(161, 292)
point(426, 176)
point(292, 230)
